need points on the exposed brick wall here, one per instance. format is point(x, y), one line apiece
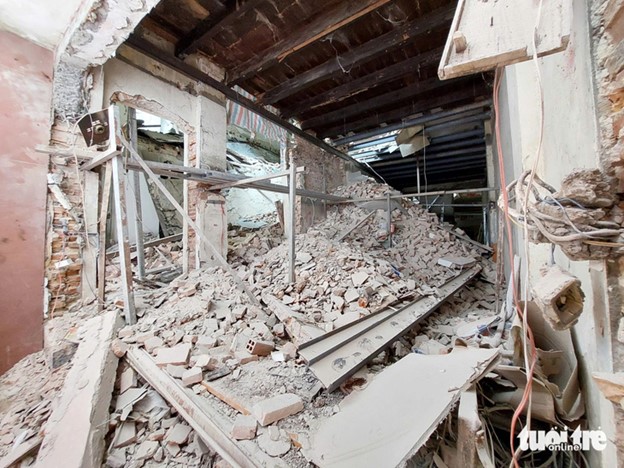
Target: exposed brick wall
point(607, 21)
point(65, 236)
point(608, 29)
point(324, 173)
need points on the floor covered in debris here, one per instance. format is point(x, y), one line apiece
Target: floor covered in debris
point(280, 378)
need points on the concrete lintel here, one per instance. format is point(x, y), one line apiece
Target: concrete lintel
point(99, 28)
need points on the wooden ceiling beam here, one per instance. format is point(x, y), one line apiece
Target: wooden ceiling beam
point(397, 114)
point(165, 58)
point(366, 82)
point(376, 102)
point(361, 54)
point(213, 24)
point(307, 33)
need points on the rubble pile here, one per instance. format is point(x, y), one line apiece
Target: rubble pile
point(202, 331)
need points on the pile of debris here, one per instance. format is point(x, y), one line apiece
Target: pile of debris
point(398, 308)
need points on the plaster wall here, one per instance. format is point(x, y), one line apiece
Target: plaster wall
point(25, 104)
point(570, 141)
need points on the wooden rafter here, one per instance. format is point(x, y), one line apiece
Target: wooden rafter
point(366, 82)
point(398, 95)
point(307, 33)
point(402, 112)
point(361, 54)
point(213, 24)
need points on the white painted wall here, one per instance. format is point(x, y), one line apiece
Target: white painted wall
point(570, 141)
point(40, 21)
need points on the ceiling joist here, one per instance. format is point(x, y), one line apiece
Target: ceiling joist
point(366, 82)
point(213, 24)
point(308, 32)
point(377, 102)
point(397, 114)
point(361, 54)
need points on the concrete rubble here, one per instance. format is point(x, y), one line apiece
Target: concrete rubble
point(240, 363)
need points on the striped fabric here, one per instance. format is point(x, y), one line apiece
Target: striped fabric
point(238, 115)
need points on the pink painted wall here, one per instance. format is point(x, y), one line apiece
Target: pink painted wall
point(25, 103)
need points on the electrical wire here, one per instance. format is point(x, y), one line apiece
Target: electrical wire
point(510, 249)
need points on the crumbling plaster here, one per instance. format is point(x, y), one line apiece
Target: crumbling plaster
point(570, 141)
point(40, 21)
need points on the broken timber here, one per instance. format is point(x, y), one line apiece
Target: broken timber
point(74, 434)
point(202, 237)
point(180, 399)
point(337, 355)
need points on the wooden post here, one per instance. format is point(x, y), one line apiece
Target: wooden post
point(104, 205)
point(200, 234)
point(389, 219)
point(89, 252)
point(138, 219)
point(292, 199)
point(121, 221)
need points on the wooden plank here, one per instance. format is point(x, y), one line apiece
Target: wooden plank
point(88, 272)
point(250, 180)
point(23, 450)
point(229, 400)
point(363, 53)
point(152, 243)
point(501, 33)
point(138, 218)
point(121, 222)
point(200, 175)
point(399, 113)
point(355, 225)
point(291, 227)
point(185, 69)
point(104, 207)
point(186, 406)
point(468, 426)
point(213, 24)
point(308, 32)
point(376, 102)
point(75, 432)
point(100, 159)
point(189, 220)
point(353, 87)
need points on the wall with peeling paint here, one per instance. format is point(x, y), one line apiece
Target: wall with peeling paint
point(25, 103)
point(570, 141)
point(41, 21)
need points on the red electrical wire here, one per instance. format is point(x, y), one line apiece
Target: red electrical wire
point(528, 332)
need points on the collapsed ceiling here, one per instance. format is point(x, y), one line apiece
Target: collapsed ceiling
point(345, 71)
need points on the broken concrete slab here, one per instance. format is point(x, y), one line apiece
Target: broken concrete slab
point(370, 432)
point(278, 407)
point(76, 429)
